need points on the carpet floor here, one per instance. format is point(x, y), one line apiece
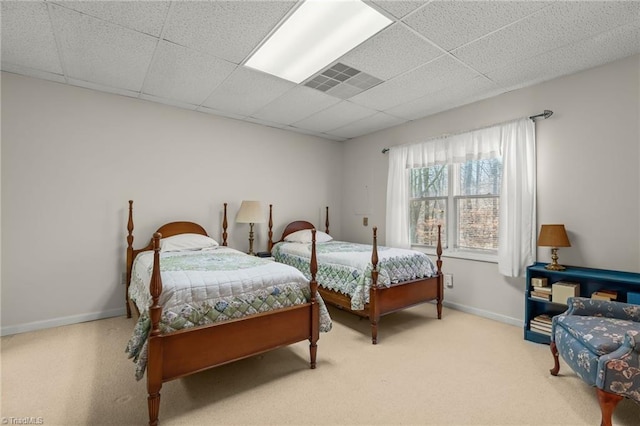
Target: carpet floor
point(461, 370)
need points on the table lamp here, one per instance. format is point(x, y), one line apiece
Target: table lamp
point(553, 236)
point(250, 212)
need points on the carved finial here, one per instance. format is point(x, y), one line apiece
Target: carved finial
point(326, 221)
point(224, 226)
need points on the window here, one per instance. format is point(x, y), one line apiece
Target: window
point(456, 181)
point(463, 198)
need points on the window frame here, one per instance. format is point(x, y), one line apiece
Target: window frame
point(452, 250)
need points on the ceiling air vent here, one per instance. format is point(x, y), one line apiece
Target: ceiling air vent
point(342, 81)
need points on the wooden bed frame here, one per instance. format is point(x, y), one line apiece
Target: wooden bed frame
point(382, 300)
point(183, 352)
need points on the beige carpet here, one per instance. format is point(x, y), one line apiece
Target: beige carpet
point(462, 370)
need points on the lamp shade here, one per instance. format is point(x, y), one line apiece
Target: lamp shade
point(553, 236)
point(250, 212)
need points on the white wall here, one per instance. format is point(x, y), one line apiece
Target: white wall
point(72, 158)
point(588, 179)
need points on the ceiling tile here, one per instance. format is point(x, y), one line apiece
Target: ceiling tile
point(550, 28)
point(398, 8)
point(442, 21)
point(296, 104)
point(431, 103)
point(333, 117)
point(227, 29)
point(27, 37)
point(144, 16)
point(246, 91)
point(611, 45)
point(184, 74)
point(401, 49)
point(367, 125)
point(101, 52)
point(432, 77)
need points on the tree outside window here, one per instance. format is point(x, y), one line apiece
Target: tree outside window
point(463, 198)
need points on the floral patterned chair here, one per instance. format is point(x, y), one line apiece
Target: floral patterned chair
point(600, 340)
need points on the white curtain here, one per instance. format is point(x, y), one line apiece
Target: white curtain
point(515, 143)
point(397, 223)
point(517, 235)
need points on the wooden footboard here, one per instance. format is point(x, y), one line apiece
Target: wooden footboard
point(183, 352)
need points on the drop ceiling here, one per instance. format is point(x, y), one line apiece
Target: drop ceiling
point(436, 55)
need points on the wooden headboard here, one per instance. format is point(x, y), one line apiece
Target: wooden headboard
point(166, 230)
point(298, 225)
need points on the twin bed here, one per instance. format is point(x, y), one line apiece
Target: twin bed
point(367, 280)
point(201, 304)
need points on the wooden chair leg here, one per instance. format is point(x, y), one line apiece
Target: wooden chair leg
point(608, 402)
point(556, 366)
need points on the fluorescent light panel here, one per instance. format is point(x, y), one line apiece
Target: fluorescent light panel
point(316, 34)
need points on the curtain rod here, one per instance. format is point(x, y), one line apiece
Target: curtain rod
point(545, 114)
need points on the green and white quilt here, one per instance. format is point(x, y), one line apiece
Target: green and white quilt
point(212, 285)
point(346, 267)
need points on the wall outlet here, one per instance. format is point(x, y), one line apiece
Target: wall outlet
point(365, 221)
point(448, 280)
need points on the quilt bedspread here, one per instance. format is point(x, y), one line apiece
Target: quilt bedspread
point(208, 286)
point(346, 267)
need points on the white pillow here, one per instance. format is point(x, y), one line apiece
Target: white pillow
point(304, 236)
point(182, 242)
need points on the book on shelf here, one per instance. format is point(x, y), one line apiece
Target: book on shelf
point(563, 290)
point(546, 318)
point(546, 290)
point(540, 330)
point(540, 325)
point(539, 282)
point(541, 295)
point(600, 296)
point(543, 298)
point(605, 294)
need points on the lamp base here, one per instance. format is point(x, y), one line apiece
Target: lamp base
point(250, 252)
point(554, 266)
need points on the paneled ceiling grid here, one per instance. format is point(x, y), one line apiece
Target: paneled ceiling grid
point(435, 56)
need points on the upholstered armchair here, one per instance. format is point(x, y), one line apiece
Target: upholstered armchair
point(600, 341)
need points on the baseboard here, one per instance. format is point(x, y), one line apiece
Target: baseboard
point(484, 314)
point(57, 322)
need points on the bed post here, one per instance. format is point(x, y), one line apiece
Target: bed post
point(315, 308)
point(326, 220)
point(440, 276)
point(270, 243)
point(374, 311)
point(224, 226)
point(154, 355)
point(129, 257)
